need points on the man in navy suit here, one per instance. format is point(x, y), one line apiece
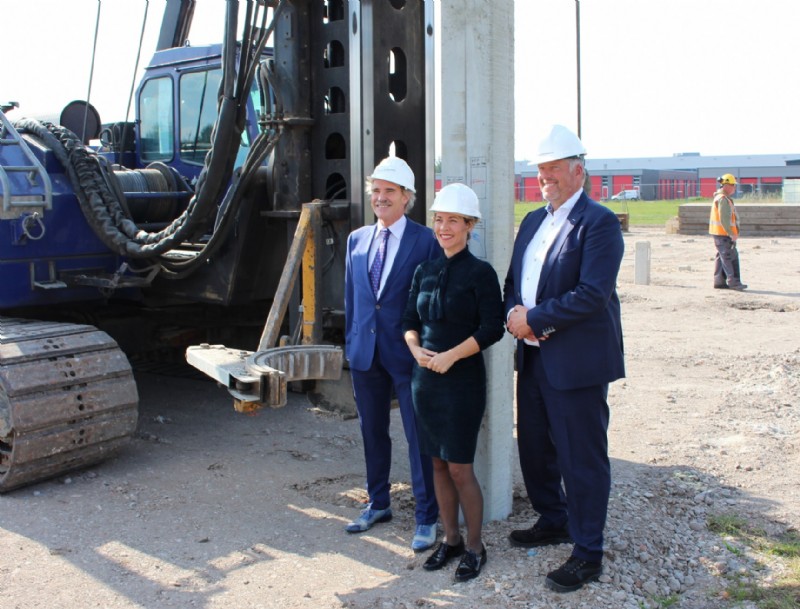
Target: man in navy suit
point(562, 307)
point(376, 294)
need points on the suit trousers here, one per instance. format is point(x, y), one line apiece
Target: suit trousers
point(373, 394)
point(562, 435)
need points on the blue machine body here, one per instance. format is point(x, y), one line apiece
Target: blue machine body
point(43, 232)
point(48, 250)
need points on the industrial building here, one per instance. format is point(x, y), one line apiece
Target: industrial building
point(682, 176)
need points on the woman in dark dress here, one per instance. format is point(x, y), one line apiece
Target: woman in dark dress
point(454, 312)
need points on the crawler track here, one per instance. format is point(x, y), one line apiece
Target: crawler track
point(67, 399)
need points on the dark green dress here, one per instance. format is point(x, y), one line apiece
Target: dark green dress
point(452, 299)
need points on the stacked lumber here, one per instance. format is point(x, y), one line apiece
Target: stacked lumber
point(756, 219)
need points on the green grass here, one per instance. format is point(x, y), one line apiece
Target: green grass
point(781, 593)
point(641, 213)
point(661, 602)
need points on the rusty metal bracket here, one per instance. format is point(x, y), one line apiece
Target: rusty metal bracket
point(302, 253)
point(261, 377)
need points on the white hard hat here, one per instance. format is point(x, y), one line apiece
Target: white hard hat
point(457, 199)
point(560, 143)
point(396, 170)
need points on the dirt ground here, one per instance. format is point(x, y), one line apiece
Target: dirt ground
point(213, 509)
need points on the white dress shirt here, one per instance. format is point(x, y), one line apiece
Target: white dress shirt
point(396, 231)
point(536, 252)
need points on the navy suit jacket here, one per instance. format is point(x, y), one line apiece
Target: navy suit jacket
point(372, 323)
point(577, 307)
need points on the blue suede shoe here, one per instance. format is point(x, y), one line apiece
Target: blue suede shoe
point(424, 537)
point(367, 518)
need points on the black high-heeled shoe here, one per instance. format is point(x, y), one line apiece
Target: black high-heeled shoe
point(442, 555)
point(470, 565)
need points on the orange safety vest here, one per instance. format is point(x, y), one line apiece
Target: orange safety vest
point(715, 222)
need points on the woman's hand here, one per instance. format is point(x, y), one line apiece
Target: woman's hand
point(442, 362)
point(422, 355)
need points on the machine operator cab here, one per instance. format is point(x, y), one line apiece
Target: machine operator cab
point(176, 109)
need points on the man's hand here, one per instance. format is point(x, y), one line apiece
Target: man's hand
point(517, 324)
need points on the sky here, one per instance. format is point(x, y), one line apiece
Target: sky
point(658, 77)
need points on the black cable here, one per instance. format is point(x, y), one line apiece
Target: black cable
point(100, 197)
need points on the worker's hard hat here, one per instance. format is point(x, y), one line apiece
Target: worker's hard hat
point(727, 179)
point(560, 143)
point(457, 199)
point(396, 170)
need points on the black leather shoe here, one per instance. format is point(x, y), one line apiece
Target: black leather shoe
point(470, 565)
point(720, 286)
point(537, 536)
point(573, 574)
point(442, 555)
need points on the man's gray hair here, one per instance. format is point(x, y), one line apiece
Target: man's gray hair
point(575, 161)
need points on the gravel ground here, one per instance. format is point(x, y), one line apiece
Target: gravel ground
point(214, 509)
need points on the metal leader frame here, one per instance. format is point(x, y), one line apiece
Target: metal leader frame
point(356, 85)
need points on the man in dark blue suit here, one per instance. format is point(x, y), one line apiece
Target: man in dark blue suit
point(376, 293)
point(562, 307)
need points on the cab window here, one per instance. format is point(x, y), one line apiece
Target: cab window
point(156, 126)
point(198, 112)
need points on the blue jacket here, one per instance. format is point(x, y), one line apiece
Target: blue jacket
point(577, 307)
point(371, 323)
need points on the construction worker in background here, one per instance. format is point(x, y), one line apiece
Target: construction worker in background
point(724, 227)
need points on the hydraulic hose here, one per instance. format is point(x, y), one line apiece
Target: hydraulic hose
point(218, 192)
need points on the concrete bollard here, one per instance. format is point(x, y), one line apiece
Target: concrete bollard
point(641, 263)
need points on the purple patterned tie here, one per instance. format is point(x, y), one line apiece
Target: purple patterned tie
point(377, 265)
